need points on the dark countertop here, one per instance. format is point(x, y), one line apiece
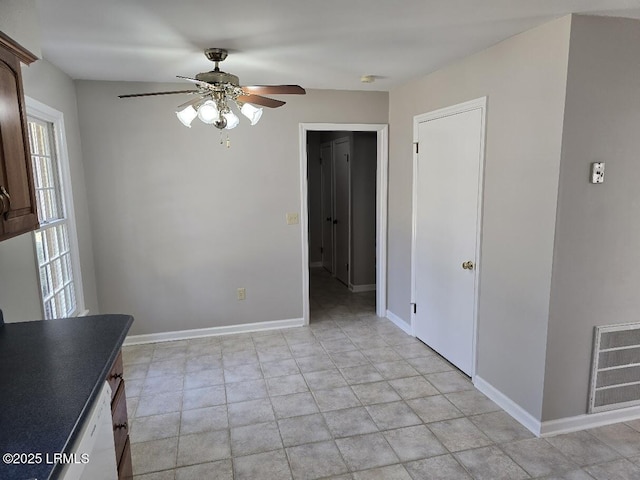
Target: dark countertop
point(51, 371)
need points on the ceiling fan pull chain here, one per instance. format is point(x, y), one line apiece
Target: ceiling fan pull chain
point(228, 142)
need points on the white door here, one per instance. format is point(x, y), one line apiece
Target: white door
point(342, 220)
point(446, 200)
point(327, 205)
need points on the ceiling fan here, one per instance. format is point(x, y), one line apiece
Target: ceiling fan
point(217, 89)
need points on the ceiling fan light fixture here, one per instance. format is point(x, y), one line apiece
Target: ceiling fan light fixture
point(251, 112)
point(232, 120)
point(208, 113)
point(186, 115)
point(216, 91)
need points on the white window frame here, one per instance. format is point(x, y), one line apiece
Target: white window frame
point(45, 113)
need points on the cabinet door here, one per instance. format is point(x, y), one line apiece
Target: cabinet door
point(17, 199)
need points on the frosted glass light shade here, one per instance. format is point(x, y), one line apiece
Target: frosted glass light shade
point(251, 112)
point(186, 115)
point(208, 112)
point(232, 120)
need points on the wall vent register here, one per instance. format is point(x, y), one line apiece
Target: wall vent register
point(615, 374)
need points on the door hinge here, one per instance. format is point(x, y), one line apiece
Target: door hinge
point(320, 160)
point(347, 157)
point(321, 250)
point(417, 148)
point(414, 308)
point(347, 267)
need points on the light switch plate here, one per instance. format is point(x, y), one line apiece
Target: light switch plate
point(597, 172)
point(292, 218)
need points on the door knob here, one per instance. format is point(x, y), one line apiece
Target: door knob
point(328, 219)
point(335, 222)
point(468, 265)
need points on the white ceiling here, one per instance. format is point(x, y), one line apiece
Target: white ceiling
point(316, 44)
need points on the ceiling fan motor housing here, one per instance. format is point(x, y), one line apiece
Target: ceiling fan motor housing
point(218, 77)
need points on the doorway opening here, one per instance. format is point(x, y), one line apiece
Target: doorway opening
point(343, 184)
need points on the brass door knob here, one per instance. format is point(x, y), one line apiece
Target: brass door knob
point(468, 265)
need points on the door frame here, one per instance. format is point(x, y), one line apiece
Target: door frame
point(478, 103)
point(382, 172)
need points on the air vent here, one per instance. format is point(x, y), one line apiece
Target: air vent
point(615, 374)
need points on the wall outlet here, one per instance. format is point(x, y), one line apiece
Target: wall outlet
point(242, 293)
point(597, 172)
point(292, 218)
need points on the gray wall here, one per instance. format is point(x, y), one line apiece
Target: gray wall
point(19, 20)
point(524, 78)
point(314, 176)
point(596, 279)
point(363, 208)
point(179, 221)
point(19, 290)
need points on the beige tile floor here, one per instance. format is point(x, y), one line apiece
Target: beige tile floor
point(349, 397)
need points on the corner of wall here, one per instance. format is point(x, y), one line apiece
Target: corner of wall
point(600, 124)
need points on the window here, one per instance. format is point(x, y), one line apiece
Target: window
point(55, 241)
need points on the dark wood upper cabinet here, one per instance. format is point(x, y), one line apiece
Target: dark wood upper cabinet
point(17, 195)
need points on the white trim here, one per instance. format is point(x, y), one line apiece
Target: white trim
point(46, 113)
point(381, 207)
point(315, 264)
point(362, 288)
point(382, 192)
point(508, 405)
point(559, 426)
point(592, 420)
point(481, 104)
point(401, 324)
point(212, 331)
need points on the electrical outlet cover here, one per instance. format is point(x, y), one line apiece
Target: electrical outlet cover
point(597, 172)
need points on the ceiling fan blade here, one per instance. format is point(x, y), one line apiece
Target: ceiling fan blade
point(259, 100)
point(274, 89)
point(196, 81)
point(193, 102)
point(150, 94)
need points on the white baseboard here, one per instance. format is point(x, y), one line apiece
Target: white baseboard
point(508, 405)
point(362, 288)
point(315, 264)
point(561, 425)
point(401, 324)
point(592, 420)
point(212, 331)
